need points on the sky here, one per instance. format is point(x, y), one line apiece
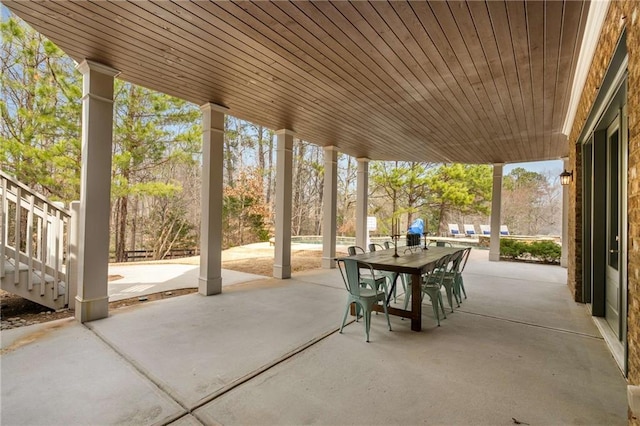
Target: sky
point(542, 167)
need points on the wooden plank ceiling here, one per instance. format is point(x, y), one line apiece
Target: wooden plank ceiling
point(470, 82)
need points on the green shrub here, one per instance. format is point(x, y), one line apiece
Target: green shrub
point(543, 251)
point(511, 249)
point(547, 251)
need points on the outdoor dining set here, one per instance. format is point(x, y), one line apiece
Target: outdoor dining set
point(374, 278)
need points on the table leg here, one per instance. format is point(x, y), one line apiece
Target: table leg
point(416, 302)
point(393, 287)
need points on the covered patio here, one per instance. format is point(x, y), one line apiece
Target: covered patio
point(469, 82)
point(518, 350)
point(491, 82)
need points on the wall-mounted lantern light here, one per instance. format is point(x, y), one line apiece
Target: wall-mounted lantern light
point(566, 177)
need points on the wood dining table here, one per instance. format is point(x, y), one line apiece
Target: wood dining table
point(416, 263)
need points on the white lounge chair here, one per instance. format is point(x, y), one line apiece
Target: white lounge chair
point(485, 229)
point(454, 230)
point(470, 230)
point(504, 230)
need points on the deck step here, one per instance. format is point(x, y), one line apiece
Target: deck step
point(20, 288)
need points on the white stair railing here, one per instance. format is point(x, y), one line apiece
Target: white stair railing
point(34, 231)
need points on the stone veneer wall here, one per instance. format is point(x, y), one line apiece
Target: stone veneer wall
point(621, 15)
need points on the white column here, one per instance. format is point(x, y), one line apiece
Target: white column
point(362, 202)
point(92, 299)
point(496, 205)
point(329, 197)
point(210, 280)
point(284, 176)
point(565, 219)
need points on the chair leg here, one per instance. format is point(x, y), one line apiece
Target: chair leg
point(442, 305)
point(386, 314)
point(461, 285)
point(367, 322)
point(407, 296)
point(456, 292)
point(346, 312)
point(434, 304)
point(447, 288)
point(435, 295)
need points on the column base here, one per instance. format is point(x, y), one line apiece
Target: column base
point(94, 309)
point(633, 398)
point(494, 257)
point(282, 271)
point(210, 286)
point(328, 263)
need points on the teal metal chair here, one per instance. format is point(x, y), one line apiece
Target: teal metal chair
point(366, 279)
point(363, 297)
point(452, 280)
point(440, 244)
point(459, 282)
point(449, 277)
point(353, 250)
point(431, 285)
point(374, 247)
point(388, 275)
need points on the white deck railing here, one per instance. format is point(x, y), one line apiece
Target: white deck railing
point(34, 231)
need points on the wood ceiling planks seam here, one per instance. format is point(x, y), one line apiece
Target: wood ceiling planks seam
point(370, 71)
point(253, 24)
point(518, 24)
point(432, 117)
point(439, 81)
point(132, 75)
point(338, 79)
point(459, 109)
point(504, 46)
point(478, 65)
point(70, 30)
point(569, 51)
point(283, 87)
point(440, 45)
point(381, 52)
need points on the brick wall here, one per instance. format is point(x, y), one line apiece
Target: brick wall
point(621, 15)
point(632, 10)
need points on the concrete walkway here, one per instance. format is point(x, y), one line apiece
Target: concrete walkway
point(266, 351)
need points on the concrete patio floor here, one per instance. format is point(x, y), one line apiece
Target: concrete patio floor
point(267, 351)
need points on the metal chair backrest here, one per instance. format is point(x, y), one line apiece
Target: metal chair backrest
point(350, 271)
point(387, 245)
point(436, 275)
point(374, 247)
point(440, 243)
point(463, 259)
point(353, 250)
point(413, 249)
point(455, 261)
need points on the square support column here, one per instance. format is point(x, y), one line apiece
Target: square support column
point(496, 206)
point(284, 179)
point(330, 197)
point(92, 299)
point(362, 202)
point(210, 280)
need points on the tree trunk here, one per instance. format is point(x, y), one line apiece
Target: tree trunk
point(442, 228)
point(298, 204)
point(269, 194)
point(121, 229)
point(319, 211)
point(133, 236)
